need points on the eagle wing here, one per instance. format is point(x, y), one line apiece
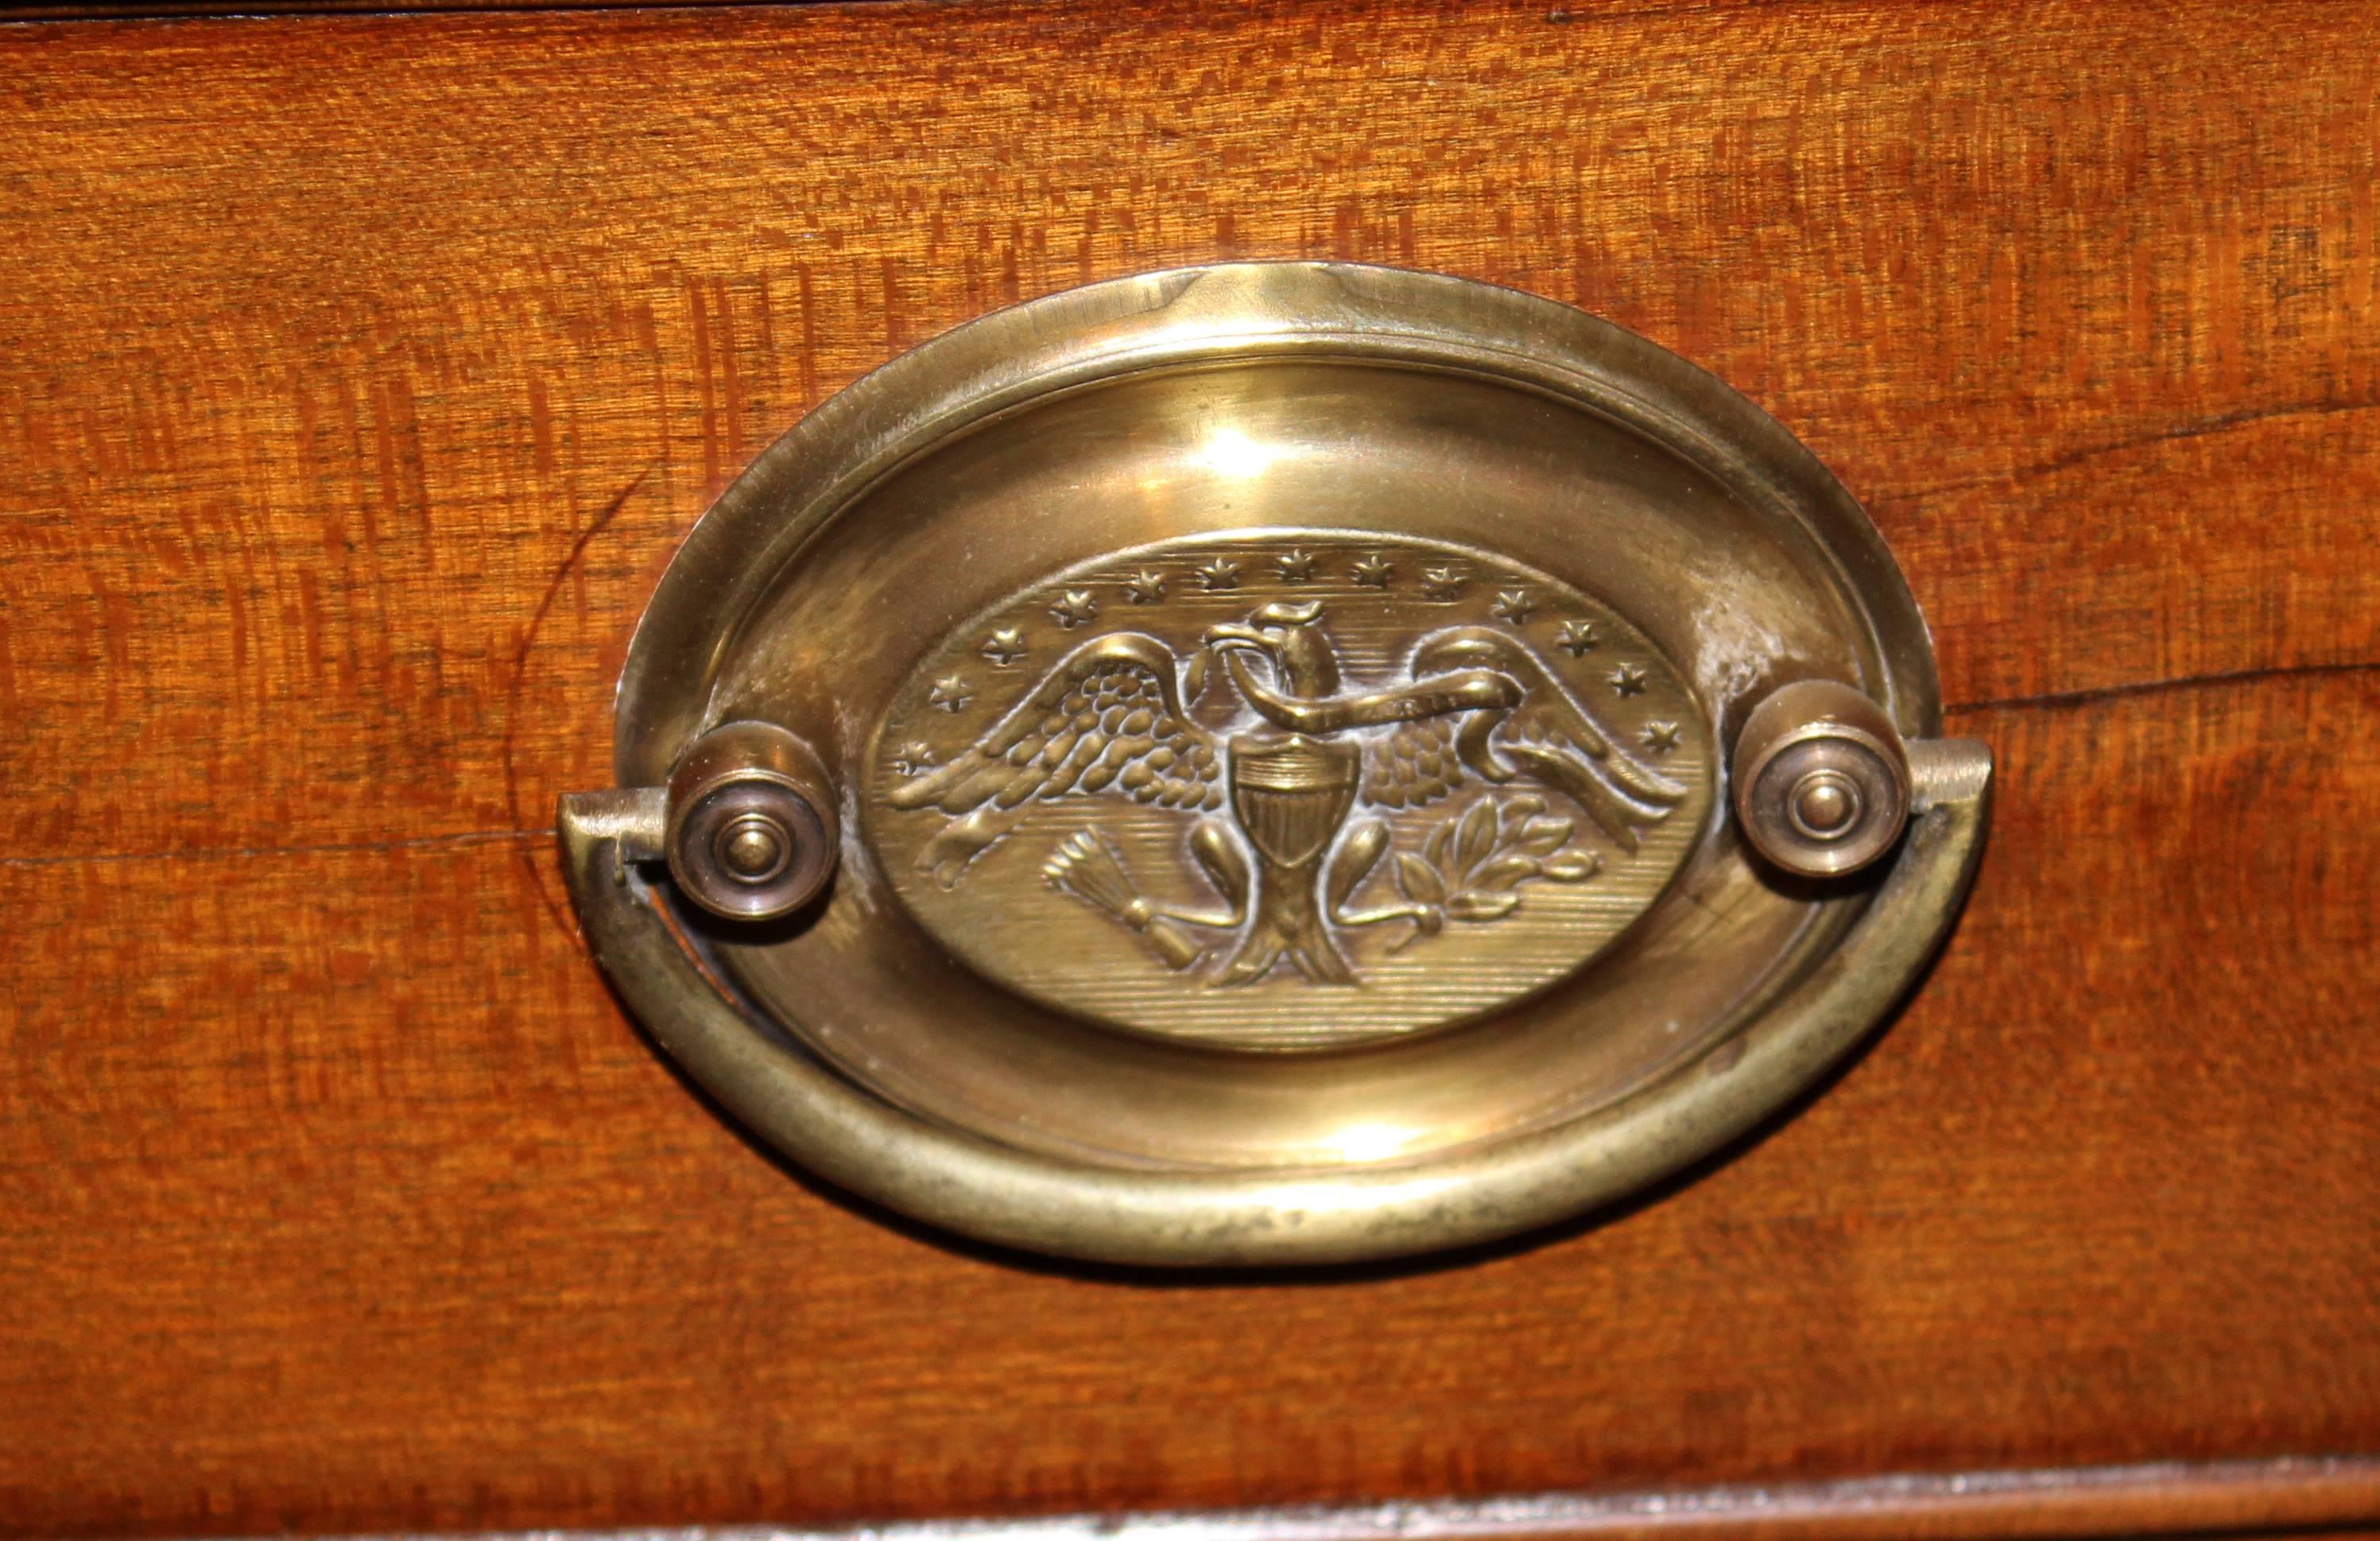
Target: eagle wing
point(1549, 736)
point(1108, 718)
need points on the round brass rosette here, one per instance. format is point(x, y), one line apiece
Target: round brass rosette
point(1250, 764)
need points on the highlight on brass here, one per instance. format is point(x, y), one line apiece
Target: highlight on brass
point(1275, 762)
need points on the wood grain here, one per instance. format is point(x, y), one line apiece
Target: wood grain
point(341, 1197)
point(357, 375)
point(360, 372)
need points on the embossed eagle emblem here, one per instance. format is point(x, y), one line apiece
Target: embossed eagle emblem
point(1109, 720)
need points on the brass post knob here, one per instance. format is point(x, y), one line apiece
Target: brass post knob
point(752, 831)
point(1821, 779)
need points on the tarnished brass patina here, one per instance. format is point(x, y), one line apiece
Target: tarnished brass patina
point(1270, 763)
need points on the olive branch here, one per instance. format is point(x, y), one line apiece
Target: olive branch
point(1470, 867)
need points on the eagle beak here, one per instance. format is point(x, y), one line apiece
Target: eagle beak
point(1233, 634)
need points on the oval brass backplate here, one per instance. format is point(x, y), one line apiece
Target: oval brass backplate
point(1278, 736)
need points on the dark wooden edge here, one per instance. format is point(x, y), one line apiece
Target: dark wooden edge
point(13, 11)
point(154, 10)
point(2303, 1496)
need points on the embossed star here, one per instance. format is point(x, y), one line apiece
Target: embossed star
point(1441, 583)
point(1294, 566)
point(1576, 638)
point(914, 759)
point(1661, 737)
point(1374, 571)
point(1145, 587)
point(1219, 575)
point(1074, 607)
point(1627, 680)
point(950, 692)
point(1004, 646)
point(1515, 606)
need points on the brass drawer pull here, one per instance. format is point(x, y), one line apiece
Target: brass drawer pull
point(1278, 762)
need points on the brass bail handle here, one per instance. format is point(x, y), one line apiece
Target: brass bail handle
point(1261, 747)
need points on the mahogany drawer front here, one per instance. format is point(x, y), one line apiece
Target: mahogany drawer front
point(359, 374)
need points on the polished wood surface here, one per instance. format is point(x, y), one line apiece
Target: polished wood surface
point(358, 373)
